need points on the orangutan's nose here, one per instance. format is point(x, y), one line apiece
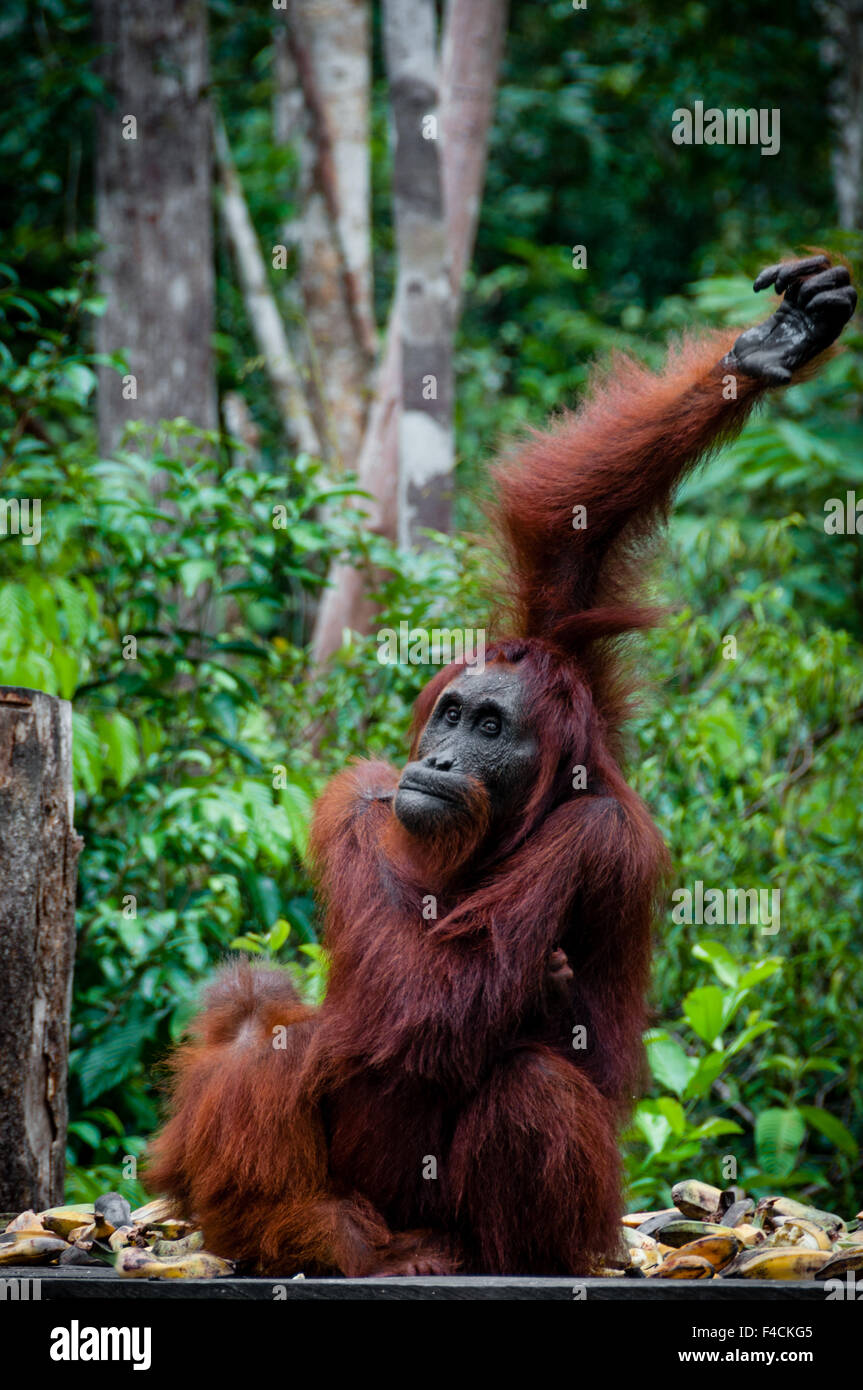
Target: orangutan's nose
point(441, 761)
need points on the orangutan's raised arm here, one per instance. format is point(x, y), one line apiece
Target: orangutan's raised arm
point(577, 502)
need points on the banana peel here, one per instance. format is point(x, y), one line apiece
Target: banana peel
point(133, 1263)
point(679, 1233)
point(776, 1211)
point(840, 1262)
point(717, 1250)
point(698, 1200)
point(634, 1219)
point(803, 1234)
point(63, 1220)
point(32, 1249)
point(188, 1245)
point(161, 1209)
point(783, 1262)
point(27, 1221)
point(749, 1235)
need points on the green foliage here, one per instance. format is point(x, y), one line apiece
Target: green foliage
point(752, 764)
point(670, 1131)
point(102, 1132)
point(172, 630)
point(672, 1134)
point(180, 681)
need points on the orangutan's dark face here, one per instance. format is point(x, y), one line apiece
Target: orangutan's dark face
point(478, 754)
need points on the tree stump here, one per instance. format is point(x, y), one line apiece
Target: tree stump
point(38, 871)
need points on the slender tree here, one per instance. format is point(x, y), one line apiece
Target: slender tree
point(323, 76)
point(843, 52)
point(263, 312)
point(424, 301)
point(154, 214)
point(474, 32)
point(473, 39)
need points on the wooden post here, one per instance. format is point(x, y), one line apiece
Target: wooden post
point(38, 870)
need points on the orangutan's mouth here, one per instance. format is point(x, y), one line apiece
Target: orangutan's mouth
point(431, 789)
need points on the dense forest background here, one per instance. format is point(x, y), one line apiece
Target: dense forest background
point(753, 767)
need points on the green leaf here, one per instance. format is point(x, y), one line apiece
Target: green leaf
point(121, 740)
point(278, 935)
point(714, 1127)
point(758, 973)
point(822, 1064)
point(13, 612)
point(193, 573)
point(73, 607)
point(653, 1126)
point(748, 1035)
point(108, 1062)
point(307, 536)
point(86, 754)
point(65, 664)
point(707, 1071)
point(297, 805)
point(704, 1008)
point(778, 1136)
point(831, 1128)
point(246, 943)
point(266, 898)
point(673, 1112)
point(78, 380)
point(720, 959)
point(90, 1134)
point(671, 1066)
point(108, 1118)
point(149, 847)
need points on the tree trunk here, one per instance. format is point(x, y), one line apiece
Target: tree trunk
point(424, 306)
point(473, 38)
point(153, 189)
point(38, 857)
point(843, 52)
point(345, 604)
point(264, 317)
point(324, 54)
point(469, 80)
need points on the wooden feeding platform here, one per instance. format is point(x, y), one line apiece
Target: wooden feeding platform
point(69, 1283)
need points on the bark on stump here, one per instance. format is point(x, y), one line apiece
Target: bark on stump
point(38, 870)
